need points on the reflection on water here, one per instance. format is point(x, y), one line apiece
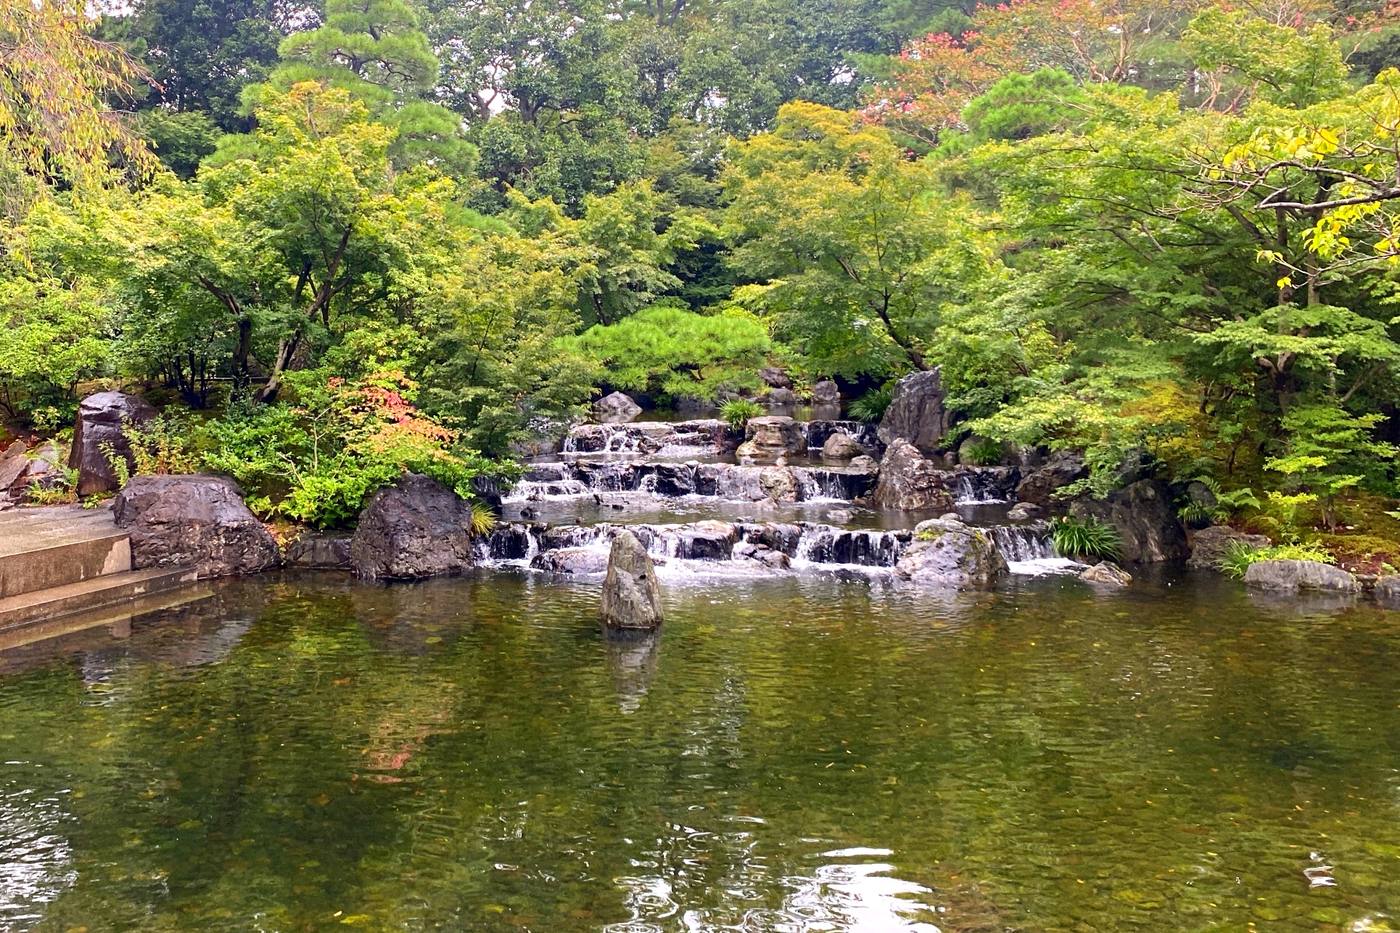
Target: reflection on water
point(792, 754)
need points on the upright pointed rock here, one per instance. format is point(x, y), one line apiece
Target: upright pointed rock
point(631, 593)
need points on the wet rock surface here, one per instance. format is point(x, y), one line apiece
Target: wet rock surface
point(101, 426)
point(1106, 574)
point(616, 408)
point(413, 529)
point(193, 521)
point(771, 437)
point(631, 593)
point(910, 482)
point(917, 413)
point(319, 551)
point(948, 554)
point(1293, 575)
point(841, 446)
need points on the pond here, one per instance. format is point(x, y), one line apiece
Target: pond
point(800, 753)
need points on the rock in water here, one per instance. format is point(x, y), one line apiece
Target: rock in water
point(910, 482)
point(771, 437)
point(826, 392)
point(841, 446)
point(1145, 518)
point(1106, 574)
point(102, 420)
point(631, 593)
point(779, 484)
point(616, 408)
point(950, 555)
point(1210, 545)
point(1290, 576)
point(1387, 591)
point(1023, 512)
point(415, 528)
point(917, 413)
point(194, 521)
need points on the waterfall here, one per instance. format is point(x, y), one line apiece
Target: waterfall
point(984, 485)
point(1029, 549)
point(828, 545)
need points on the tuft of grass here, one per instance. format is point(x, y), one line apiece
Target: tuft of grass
point(737, 411)
point(871, 406)
point(1086, 539)
point(483, 519)
point(985, 452)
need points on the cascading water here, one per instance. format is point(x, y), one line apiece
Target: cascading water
point(1029, 549)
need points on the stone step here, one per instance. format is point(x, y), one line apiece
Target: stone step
point(105, 590)
point(44, 548)
point(117, 618)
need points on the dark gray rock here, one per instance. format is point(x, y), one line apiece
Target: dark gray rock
point(775, 378)
point(1145, 519)
point(102, 420)
point(841, 446)
point(1024, 512)
point(917, 413)
point(781, 398)
point(13, 465)
point(706, 540)
point(910, 482)
point(193, 521)
point(415, 528)
point(616, 408)
point(1290, 576)
point(313, 551)
point(1106, 574)
point(631, 593)
point(1059, 470)
point(771, 437)
point(826, 392)
point(1387, 591)
point(947, 554)
point(762, 554)
point(1210, 545)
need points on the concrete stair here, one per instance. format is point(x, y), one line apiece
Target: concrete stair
point(55, 562)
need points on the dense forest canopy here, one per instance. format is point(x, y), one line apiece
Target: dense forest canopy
point(359, 235)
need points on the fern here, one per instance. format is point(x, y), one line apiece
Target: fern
point(871, 406)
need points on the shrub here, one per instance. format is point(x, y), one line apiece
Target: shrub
point(737, 412)
point(673, 353)
point(1086, 539)
point(318, 457)
point(985, 452)
point(1239, 556)
point(871, 406)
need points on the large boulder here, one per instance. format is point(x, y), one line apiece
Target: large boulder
point(616, 408)
point(102, 421)
point(826, 392)
point(1387, 591)
point(775, 378)
point(631, 594)
point(910, 482)
point(781, 398)
point(1290, 576)
point(706, 540)
point(574, 561)
point(1062, 468)
point(1210, 545)
point(13, 465)
point(947, 554)
point(415, 528)
point(193, 521)
point(1145, 519)
point(771, 437)
point(917, 413)
point(841, 446)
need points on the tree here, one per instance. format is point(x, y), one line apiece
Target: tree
point(846, 242)
point(56, 84)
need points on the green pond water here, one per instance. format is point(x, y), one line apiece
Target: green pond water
point(307, 753)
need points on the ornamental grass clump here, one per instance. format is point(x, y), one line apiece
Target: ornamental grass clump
point(1086, 539)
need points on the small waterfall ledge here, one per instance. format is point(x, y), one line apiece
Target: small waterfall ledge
point(742, 548)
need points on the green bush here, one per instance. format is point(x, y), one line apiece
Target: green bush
point(737, 412)
point(1086, 539)
point(316, 458)
point(671, 353)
